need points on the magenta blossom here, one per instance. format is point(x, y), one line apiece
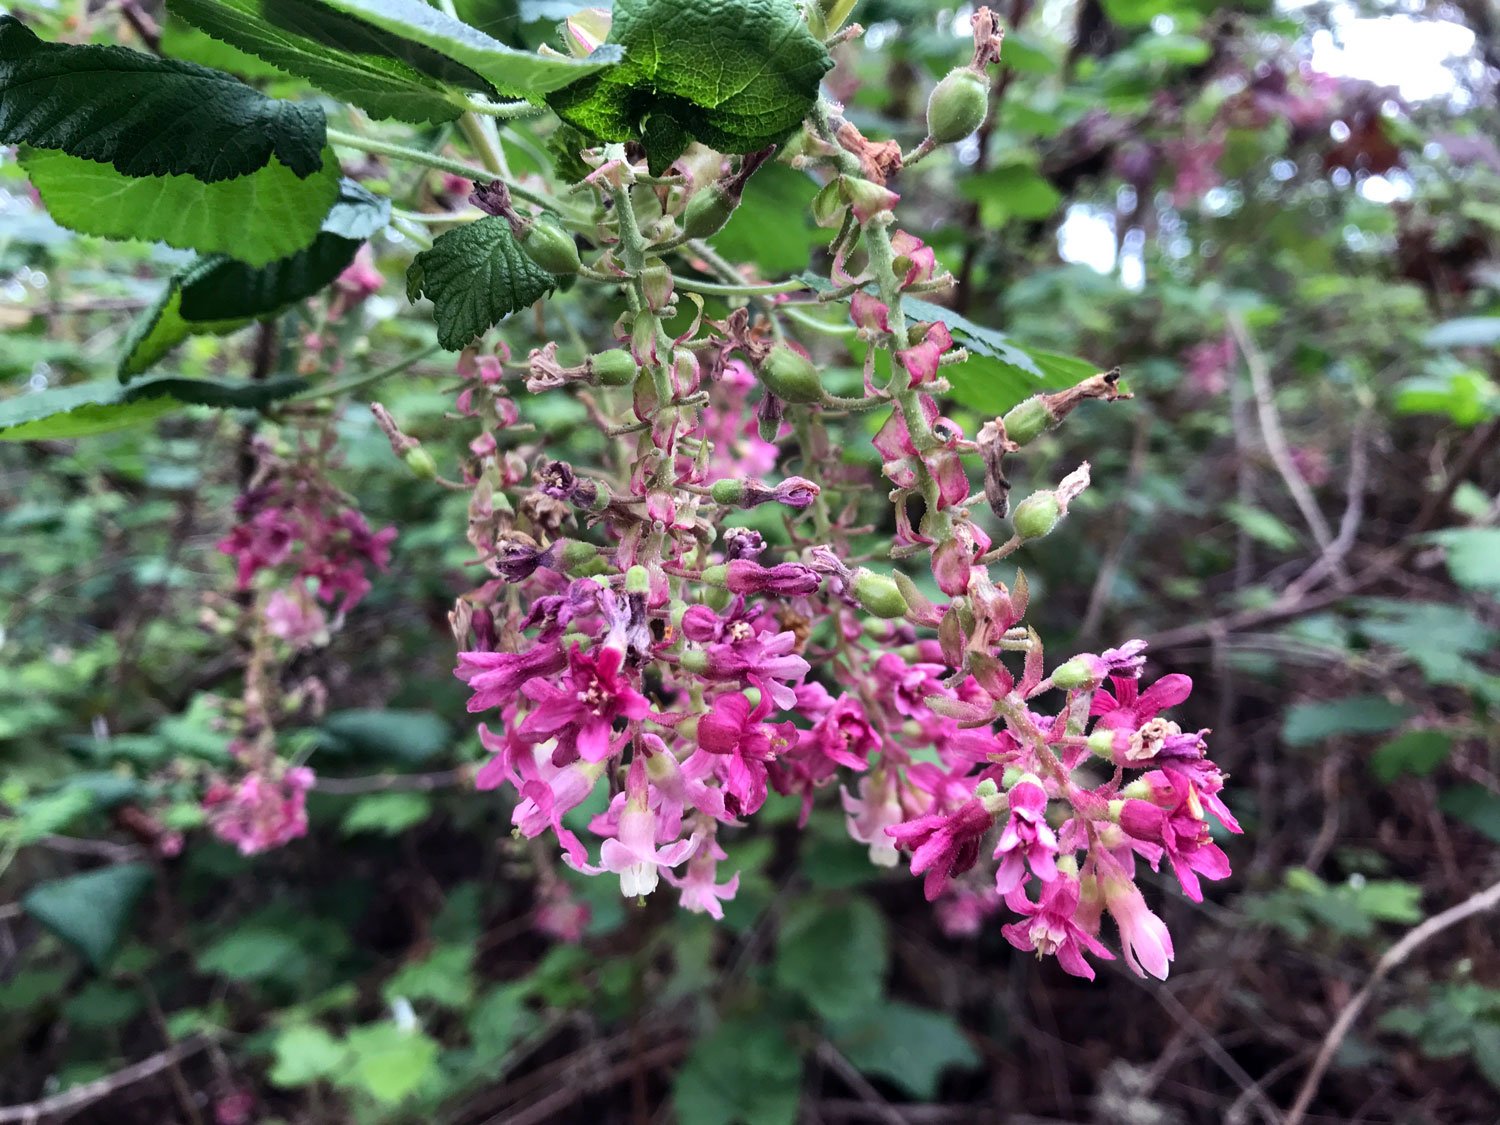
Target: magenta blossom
point(262, 810)
point(1143, 936)
point(1027, 837)
point(1128, 708)
point(783, 579)
point(1182, 836)
point(497, 677)
point(581, 714)
point(1051, 926)
point(943, 844)
point(732, 731)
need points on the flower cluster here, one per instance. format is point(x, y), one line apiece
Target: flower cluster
point(265, 808)
point(637, 643)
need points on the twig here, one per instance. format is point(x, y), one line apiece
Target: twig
point(1487, 899)
point(59, 1105)
point(1359, 473)
point(831, 1057)
point(392, 782)
point(1275, 439)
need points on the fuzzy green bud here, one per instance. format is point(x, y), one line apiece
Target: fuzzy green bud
point(878, 594)
point(420, 462)
point(727, 491)
point(1102, 744)
point(637, 580)
point(1036, 516)
point(1072, 675)
point(790, 376)
point(551, 247)
point(716, 575)
point(957, 106)
point(615, 368)
point(708, 211)
point(1029, 420)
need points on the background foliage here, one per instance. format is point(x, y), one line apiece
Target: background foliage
point(1299, 509)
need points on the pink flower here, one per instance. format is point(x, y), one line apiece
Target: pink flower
point(633, 854)
point(1129, 708)
point(943, 844)
point(1143, 936)
point(844, 735)
point(869, 815)
point(559, 914)
point(497, 677)
point(700, 893)
point(581, 713)
point(921, 360)
point(1051, 926)
point(749, 655)
point(907, 686)
point(734, 732)
point(1027, 837)
point(962, 910)
point(745, 577)
point(295, 618)
point(1184, 838)
point(260, 811)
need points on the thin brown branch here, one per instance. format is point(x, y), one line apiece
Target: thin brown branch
point(61, 1105)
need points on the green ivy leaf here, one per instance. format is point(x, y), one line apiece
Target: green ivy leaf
point(512, 72)
point(910, 1046)
point(89, 911)
point(218, 295)
point(270, 213)
point(475, 276)
point(60, 413)
point(304, 1053)
point(147, 116)
point(833, 953)
point(383, 74)
point(443, 977)
point(1417, 752)
point(387, 814)
point(737, 75)
point(254, 953)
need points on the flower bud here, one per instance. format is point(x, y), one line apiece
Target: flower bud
point(878, 594)
point(656, 284)
point(420, 462)
point(551, 247)
point(715, 575)
point(708, 211)
point(1029, 420)
point(1076, 673)
point(790, 376)
point(637, 580)
point(957, 106)
point(1102, 744)
point(616, 368)
point(728, 491)
point(1036, 516)
point(866, 198)
point(579, 559)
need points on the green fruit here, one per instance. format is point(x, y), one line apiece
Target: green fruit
point(1073, 674)
point(727, 491)
point(790, 375)
point(708, 211)
point(957, 106)
point(878, 594)
point(1028, 421)
point(420, 462)
point(615, 368)
point(551, 247)
point(1036, 516)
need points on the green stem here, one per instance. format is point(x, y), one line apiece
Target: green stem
point(359, 382)
point(504, 110)
point(434, 160)
point(714, 289)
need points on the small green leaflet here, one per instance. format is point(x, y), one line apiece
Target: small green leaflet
point(737, 75)
point(512, 72)
point(59, 413)
point(476, 276)
point(218, 295)
point(383, 74)
point(147, 116)
point(258, 218)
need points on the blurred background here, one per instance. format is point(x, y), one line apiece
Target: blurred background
point(1282, 222)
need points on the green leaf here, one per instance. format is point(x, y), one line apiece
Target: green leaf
point(304, 1053)
point(1473, 556)
point(833, 953)
point(1468, 397)
point(383, 74)
point(1486, 1049)
point(1416, 752)
point(89, 911)
point(94, 408)
point(1309, 723)
point(1013, 191)
point(773, 226)
point(442, 977)
point(402, 736)
point(257, 218)
point(508, 70)
point(1476, 806)
point(475, 276)
point(745, 1070)
point(387, 814)
point(218, 295)
point(389, 1062)
point(147, 116)
point(499, 1019)
point(738, 75)
point(1261, 525)
point(253, 953)
point(1465, 332)
point(910, 1046)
